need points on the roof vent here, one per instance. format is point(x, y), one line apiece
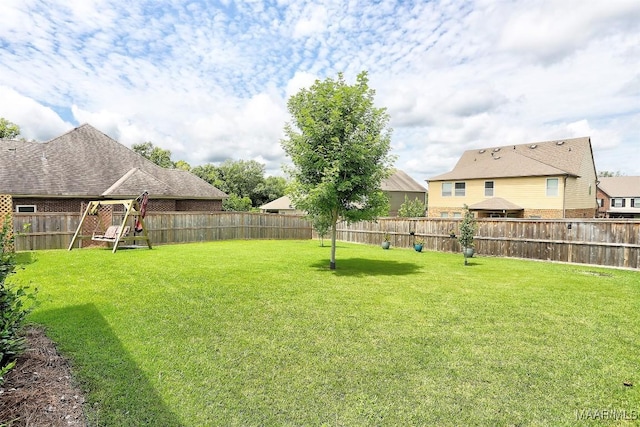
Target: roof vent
point(559, 142)
point(532, 146)
point(496, 157)
point(481, 151)
point(495, 150)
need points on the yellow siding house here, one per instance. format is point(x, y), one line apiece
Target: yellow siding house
point(550, 179)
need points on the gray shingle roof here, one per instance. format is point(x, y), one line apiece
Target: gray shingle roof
point(547, 158)
point(85, 162)
point(620, 186)
point(400, 181)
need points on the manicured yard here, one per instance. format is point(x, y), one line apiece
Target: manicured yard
point(263, 333)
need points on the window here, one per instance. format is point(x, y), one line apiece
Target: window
point(26, 208)
point(601, 203)
point(446, 189)
point(635, 203)
point(488, 188)
point(444, 214)
point(552, 187)
point(460, 187)
point(617, 203)
point(457, 215)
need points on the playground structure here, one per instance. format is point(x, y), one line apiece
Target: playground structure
point(134, 213)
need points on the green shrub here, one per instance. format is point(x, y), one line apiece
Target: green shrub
point(468, 228)
point(13, 307)
point(411, 208)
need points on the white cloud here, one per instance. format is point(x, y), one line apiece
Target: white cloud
point(312, 20)
point(552, 30)
point(300, 80)
point(36, 121)
point(211, 82)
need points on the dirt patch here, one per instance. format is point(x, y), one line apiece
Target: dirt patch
point(39, 390)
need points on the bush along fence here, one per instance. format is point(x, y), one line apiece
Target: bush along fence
point(606, 242)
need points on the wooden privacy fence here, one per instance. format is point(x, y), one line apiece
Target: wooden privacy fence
point(605, 242)
point(36, 231)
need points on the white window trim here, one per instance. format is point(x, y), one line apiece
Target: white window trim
point(557, 188)
point(464, 189)
point(450, 190)
point(492, 189)
point(35, 208)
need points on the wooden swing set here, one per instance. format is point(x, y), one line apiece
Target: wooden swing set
point(135, 209)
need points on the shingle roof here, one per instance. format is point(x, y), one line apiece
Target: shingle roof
point(495, 203)
point(400, 181)
point(282, 203)
point(547, 158)
point(620, 186)
point(85, 162)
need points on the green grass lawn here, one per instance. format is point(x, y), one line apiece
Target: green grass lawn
point(254, 333)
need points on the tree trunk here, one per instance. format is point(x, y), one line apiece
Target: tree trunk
point(332, 264)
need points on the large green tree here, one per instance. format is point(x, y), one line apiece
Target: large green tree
point(241, 177)
point(156, 154)
point(339, 144)
point(181, 164)
point(209, 173)
point(244, 179)
point(8, 130)
point(273, 187)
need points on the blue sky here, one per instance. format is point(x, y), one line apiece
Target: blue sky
point(209, 80)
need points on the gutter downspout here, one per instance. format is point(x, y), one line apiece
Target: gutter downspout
point(564, 197)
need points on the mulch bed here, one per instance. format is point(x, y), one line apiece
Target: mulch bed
point(39, 390)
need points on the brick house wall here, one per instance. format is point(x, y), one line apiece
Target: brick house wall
point(51, 205)
point(199, 205)
point(603, 206)
point(527, 213)
point(78, 205)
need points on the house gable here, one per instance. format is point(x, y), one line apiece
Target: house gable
point(619, 197)
point(524, 175)
point(85, 162)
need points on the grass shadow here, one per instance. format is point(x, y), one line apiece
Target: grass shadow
point(25, 258)
point(117, 391)
point(471, 263)
point(368, 267)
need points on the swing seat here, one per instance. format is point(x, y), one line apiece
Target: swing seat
point(111, 234)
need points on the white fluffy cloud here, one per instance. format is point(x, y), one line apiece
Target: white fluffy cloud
point(36, 121)
point(211, 82)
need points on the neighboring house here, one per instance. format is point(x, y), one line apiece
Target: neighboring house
point(280, 206)
point(397, 186)
point(550, 179)
point(84, 164)
point(619, 197)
